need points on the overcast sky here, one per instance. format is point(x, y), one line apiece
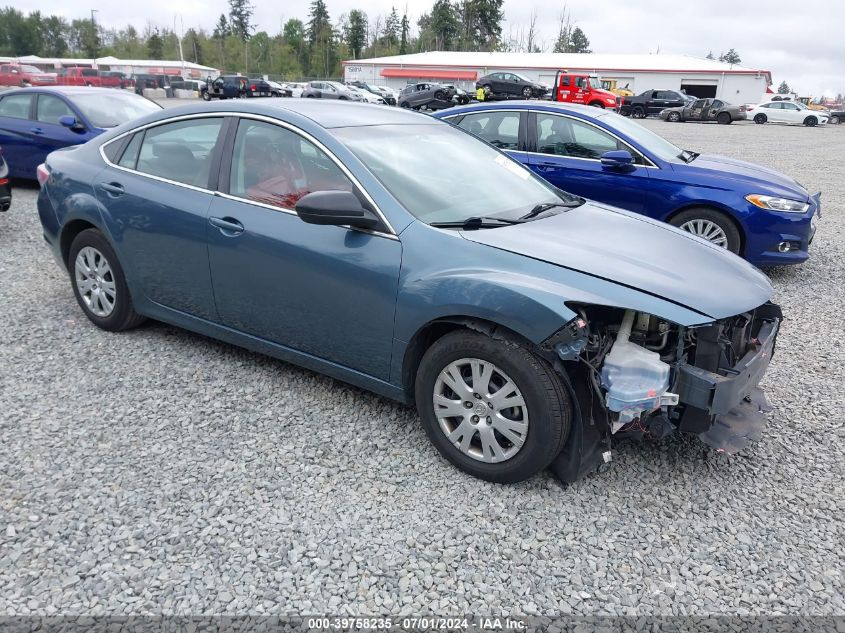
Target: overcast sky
point(797, 41)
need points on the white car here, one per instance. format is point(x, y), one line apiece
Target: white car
point(296, 88)
point(365, 95)
point(786, 112)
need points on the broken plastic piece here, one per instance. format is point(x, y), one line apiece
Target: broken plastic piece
point(732, 431)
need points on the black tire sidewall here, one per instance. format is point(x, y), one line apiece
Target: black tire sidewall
point(637, 113)
point(674, 117)
point(724, 118)
point(760, 119)
point(549, 422)
point(718, 217)
point(123, 312)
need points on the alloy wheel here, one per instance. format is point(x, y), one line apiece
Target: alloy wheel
point(481, 410)
point(710, 231)
point(95, 281)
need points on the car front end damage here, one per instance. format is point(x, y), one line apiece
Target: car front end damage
point(635, 375)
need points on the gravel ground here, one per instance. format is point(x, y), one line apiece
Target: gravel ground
point(158, 471)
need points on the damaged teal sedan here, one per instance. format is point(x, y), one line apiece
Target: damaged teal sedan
point(396, 252)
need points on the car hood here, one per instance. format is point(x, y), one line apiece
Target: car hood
point(762, 179)
point(640, 253)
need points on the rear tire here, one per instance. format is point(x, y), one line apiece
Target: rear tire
point(526, 92)
point(702, 221)
point(724, 118)
point(405, 105)
point(206, 96)
point(638, 112)
point(440, 95)
point(122, 315)
point(673, 117)
point(760, 119)
point(834, 120)
point(811, 121)
point(540, 400)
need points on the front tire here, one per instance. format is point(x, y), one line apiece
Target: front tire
point(526, 92)
point(519, 411)
point(638, 112)
point(710, 224)
point(405, 105)
point(834, 120)
point(206, 96)
point(760, 119)
point(440, 95)
point(673, 117)
point(99, 284)
point(811, 121)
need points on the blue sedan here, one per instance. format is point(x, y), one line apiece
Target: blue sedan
point(526, 324)
point(37, 121)
point(756, 212)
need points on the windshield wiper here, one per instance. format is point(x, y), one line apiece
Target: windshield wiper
point(545, 206)
point(476, 222)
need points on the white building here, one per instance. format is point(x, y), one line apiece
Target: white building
point(697, 76)
point(187, 70)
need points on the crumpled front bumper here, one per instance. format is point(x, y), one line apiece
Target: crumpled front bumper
point(727, 408)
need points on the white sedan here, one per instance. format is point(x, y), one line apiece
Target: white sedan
point(786, 112)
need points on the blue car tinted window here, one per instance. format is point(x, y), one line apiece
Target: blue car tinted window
point(275, 166)
point(563, 136)
point(16, 106)
point(180, 151)
point(497, 128)
point(50, 109)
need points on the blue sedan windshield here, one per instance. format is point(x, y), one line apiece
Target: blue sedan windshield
point(441, 174)
point(110, 110)
point(648, 140)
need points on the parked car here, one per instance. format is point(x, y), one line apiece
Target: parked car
point(651, 103)
point(758, 213)
point(279, 90)
point(385, 93)
point(79, 76)
point(330, 90)
point(259, 87)
point(507, 85)
point(194, 85)
point(225, 87)
point(527, 325)
point(426, 95)
point(23, 75)
point(792, 112)
point(37, 121)
point(836, 117)
point(115, 79)
point(705, 110)
point(143, 81)
point(296, 88)
point(5, 185)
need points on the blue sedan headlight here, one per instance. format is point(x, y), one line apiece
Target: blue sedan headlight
point(773, 203)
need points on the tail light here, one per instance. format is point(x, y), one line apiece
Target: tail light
point(42, 173)
point(252, 87)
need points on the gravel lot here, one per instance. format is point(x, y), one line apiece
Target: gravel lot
point(162, 472)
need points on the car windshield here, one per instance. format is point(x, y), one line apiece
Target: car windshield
point(30, 69)
point(455, 187)
point(595, 82)
point(801, 106)
point(336, 85)
point(110, 110)
point(653, 143)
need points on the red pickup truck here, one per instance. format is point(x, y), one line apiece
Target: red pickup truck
point(582, 88)
point(23, 75)
point(79, 77)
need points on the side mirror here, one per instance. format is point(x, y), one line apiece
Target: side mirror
point(71, 122)
point(617, 159)
point(337, 208)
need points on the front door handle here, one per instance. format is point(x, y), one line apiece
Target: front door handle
point(227, 226)
point(37, 130)
point(112, 188)
point(547, 167)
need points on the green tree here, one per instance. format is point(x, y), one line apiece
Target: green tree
point(441, 28)
point(405, 33)
point(155, 45)
point(192, 47)
point(710, 55)
point(579, 42)
point(356, 33)
point(240, 18)
point(54, 34)
point(391, 28)
point(731, 57)
point(320, 40)
point(221, 29)
point(783, 88)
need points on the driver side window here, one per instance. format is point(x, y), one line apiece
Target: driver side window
point(563, 136)
point(274, 166)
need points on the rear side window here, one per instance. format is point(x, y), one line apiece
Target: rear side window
point(180, 151)
point(130, 154)
point(497, 128)
point(275, 166)
point(16, 106)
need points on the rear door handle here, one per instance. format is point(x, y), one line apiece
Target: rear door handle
point(227, 226)
point(37, 130)
point(112, 188)
point(546, 167)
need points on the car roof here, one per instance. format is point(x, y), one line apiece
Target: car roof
point(64, 90)
point(546, 106)
point(326, 114)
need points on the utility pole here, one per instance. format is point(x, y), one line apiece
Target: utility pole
point(179, 39)
point(94, 29)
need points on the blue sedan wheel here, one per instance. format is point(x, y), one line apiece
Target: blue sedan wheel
point(710, 225)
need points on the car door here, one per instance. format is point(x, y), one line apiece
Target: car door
point(48, 110)
point(713, 108)
point(696, 111)
point(156, 196)
point(500, 128)
point(567, 151)
point(326, 291)
point(23, 149)
point(791, 113)
point(774, 112)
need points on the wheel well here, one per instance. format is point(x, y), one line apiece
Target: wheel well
point(427, 335)
point(69, 233)
point(738, 226)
